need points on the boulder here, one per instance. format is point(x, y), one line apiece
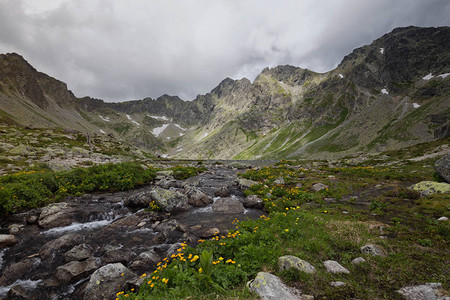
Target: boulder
point(292, 262)
point(442, 167)
point(428, 291)
point(427, 188)
point(140, 200)
point(169, 200)
point(17, 271)
point(16, 228)
point(279, 181)
point(107, 281)
point(76, 270)
point(245, 184)
point(318, 187)
point(57, 215)
point(222, 191)
point(253, 201)
point(334, 267)
point(7, 240)
point(373, 250)
point(147, 260)
point(358, 260)
point(65, 241)
point(207, 233)
point(198, 198)
point(228, 205)
point(79, 252)
point(270, 287)
point(122, 256)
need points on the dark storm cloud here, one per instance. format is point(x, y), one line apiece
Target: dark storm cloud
point(119, 50)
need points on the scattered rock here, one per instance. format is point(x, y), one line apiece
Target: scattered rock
point(169, 200)
point(270, 287)
point(442, 167)
point(334, 267)
point(68, 240)
point(222, 191)
point(337, 283)
point(79, 252)
point(75, 270)
point(292, 262)
point(107, 281)
point(229, 205)
point(253, 201)
point(427, 188)
point(197, 198)
point(428, 291)
point(373, 250)
point(56, 215)
point(245, 184)
point(443, 219)
point(358, 261)
point(319, 186)
point(7, 240)
point(279, 181)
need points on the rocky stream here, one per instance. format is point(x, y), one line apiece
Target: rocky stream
point(74, 249)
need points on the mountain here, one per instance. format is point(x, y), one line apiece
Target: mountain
point(390, 94)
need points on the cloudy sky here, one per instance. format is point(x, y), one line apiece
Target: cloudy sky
point(121, 50)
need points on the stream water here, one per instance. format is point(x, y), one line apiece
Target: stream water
point(56, 262)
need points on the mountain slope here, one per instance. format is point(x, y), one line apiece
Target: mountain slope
point(387, 95)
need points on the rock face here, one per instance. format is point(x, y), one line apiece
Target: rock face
point(335, 267)
point(56, 215)
point(228, 205)
point(442, 167)
point(107, 281)
point(292, 262)
point(427, 188)
point(429, 291)
point(270, 287)
point(7, 240)
point(169, 200)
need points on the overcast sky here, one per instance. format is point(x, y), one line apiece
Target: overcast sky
point(122, 50)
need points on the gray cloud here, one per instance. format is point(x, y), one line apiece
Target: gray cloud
point(120, 50)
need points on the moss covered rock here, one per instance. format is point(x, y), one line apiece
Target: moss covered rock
point(430, 187)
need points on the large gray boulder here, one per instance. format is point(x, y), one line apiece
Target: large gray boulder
point(107, 281)
point(428, 291)
point(169, 200)
point(57, 215)
point(442, 167)
point(229, 205)
point(76, 270)
point(253, 201)
point(270, 287)
point(292, 262)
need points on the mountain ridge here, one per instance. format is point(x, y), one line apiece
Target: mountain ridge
point(379, 97)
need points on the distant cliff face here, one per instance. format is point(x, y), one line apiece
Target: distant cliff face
point(390, 94)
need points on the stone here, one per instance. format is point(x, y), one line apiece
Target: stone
point(7, 240)
point(139, 200)
point(75, 270)
point(197, 198)
point(169, 200)
point(65, 241)
point(79, 252)
point(373, 250)
point(222, 191)
point(334, 267)
point(17, 271)
point(245, 184)
point(270, 287)
point(427, 188)
point(210, 232)
point(358, 261)
point(229, 205)
point(15, 228)
point(292, 262)
point(122, 256)
point(173, 249)
point(56, 215)
point(253, 201)
point(167, 183)
point(107, 281)
point(147, 260)
point(307, 297)
point(428, 291)
point(165, 173)
point(442, 167)
point(319, 186)
point(279, 181)
point(443, 219)
point(337, 283)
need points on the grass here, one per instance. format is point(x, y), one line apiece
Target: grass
point(299, 223)
point(30, 189)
